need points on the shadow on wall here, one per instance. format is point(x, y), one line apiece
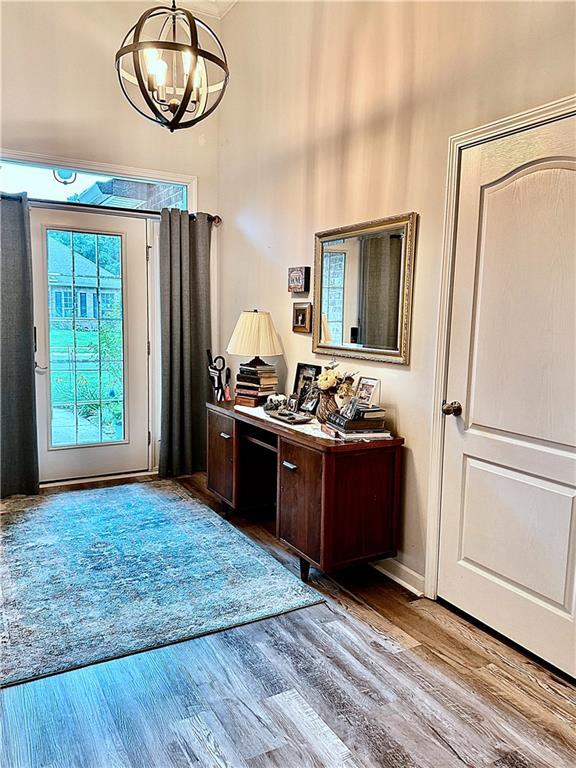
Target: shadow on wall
point(349, 120)
point(349, 70)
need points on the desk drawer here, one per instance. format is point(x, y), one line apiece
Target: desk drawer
point(221, 455)
point(300, 498)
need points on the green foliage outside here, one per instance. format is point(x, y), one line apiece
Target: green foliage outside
point(91, 344)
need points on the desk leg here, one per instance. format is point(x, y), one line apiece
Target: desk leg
point(225, 510)
point(304, 569)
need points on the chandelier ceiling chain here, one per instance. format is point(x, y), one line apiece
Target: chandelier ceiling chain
point(172, 67)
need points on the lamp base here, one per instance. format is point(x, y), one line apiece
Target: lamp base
point(256, 362)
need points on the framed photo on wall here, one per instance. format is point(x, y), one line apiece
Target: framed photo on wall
point(302, 317)
point(298, 279)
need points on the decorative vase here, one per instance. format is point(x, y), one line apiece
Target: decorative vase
point(342, 401)
point(326, 406)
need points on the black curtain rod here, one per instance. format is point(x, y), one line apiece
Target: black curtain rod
point(214, 218)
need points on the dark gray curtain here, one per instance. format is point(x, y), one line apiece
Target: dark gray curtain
point(185, 335)
point(381, 271)
point(18, 447)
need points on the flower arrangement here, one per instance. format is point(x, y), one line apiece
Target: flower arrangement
point(336, 388)
point(336, 382)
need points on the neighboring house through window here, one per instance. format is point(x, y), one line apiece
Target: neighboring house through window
point(81, 300)
point(62, 303)
point(82, 304)
point(108, 303)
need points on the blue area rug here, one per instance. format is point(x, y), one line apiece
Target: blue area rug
point(96, 574)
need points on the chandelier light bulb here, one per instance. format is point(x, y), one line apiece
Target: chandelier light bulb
point(161, 74)
point(186, 62)
point(196, 84)
point(161, 71)
point(151, 56)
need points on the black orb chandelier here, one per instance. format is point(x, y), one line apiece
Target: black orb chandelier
point(172, 67)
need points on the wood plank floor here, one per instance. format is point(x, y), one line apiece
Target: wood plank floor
point(373, 677)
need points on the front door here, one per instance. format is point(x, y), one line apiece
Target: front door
point(91, 318)
point(508, 524)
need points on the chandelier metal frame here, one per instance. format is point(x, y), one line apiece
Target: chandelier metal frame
point(172, 114)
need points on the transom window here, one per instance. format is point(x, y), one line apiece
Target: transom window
point(74, 186)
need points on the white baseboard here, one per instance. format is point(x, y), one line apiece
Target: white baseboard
point(401, 574)
point(97, 479)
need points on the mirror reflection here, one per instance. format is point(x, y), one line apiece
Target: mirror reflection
point(363, 286)
point(361, 281)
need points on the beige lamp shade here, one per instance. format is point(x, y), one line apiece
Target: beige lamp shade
point(255, 335)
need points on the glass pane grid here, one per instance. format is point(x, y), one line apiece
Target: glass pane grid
point(86, 338)
point(333, 292)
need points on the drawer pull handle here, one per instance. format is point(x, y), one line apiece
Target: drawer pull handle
point(289, 465)
point(225, 435)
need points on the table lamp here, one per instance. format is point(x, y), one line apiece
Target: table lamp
point(254, 335)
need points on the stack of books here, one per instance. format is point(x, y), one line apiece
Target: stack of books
point(366, 424)
point(255, 383)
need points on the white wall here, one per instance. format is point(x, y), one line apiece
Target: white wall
point(60, 94)
point(339, 113)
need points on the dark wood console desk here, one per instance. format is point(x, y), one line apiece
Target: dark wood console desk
point(336, 503)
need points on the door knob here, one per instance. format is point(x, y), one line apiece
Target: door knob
point(451, 409)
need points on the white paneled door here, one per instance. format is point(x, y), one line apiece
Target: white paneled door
point(508, 521)
point(91, 318)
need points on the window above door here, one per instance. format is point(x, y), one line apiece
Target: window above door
point(75, 186)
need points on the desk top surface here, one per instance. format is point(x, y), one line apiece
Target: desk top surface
point(305, 434)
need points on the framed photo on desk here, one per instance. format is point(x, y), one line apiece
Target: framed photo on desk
point(306, 377)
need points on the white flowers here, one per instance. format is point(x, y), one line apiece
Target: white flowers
point(329, 379)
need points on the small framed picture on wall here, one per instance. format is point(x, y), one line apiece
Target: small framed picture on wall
point(298, 279)
point(302, 317)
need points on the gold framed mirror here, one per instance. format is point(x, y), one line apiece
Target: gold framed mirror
point(363, 277)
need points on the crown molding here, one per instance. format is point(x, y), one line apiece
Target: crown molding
point(214, 9)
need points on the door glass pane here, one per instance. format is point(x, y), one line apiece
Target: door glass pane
point(86, 338)
point(112, 424)
point(63, 423)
